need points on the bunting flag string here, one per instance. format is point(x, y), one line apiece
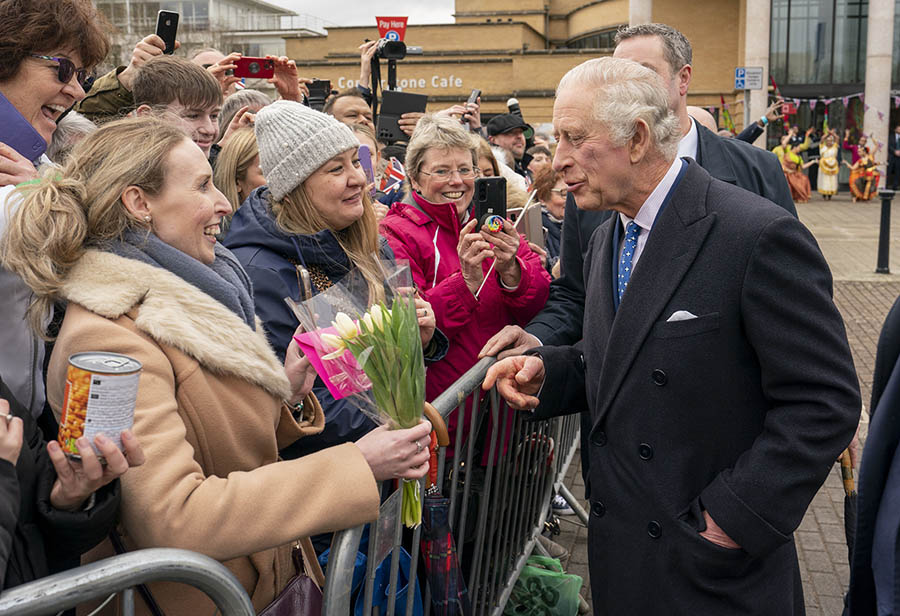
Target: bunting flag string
point(812, 102)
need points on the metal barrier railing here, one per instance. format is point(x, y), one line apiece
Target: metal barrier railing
point(502, 477)
point(122, 573)
point(506, 490)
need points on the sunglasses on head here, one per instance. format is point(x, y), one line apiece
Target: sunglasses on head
point(66, 69)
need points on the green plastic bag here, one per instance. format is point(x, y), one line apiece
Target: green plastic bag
point(544, 589)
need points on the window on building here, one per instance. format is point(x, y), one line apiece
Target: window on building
point(850, 41)
point(605, 39)
point(145, 13)
point(811, 22)
point(818, 41)
point(195, 14)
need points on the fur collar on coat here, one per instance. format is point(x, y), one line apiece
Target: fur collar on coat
point(178, 314)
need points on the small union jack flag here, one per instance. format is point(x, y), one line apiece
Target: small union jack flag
point(393, 177)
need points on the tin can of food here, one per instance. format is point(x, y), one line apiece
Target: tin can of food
point(101, 391)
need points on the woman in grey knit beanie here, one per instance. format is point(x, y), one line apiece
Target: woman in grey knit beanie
point(315, 213)
point(316, 187)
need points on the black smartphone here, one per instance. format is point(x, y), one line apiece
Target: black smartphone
point(18, 133)
point(166, 29)
point(489, 203)
point(319, 91)
point(473, 98)
point(395, 104)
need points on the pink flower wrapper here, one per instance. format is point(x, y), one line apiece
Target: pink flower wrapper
point(342, 376)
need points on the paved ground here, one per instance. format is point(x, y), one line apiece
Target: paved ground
point(848, 236)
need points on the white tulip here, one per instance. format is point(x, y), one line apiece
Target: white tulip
point(345, 326)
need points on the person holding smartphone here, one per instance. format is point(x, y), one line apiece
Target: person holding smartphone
point(478, 281)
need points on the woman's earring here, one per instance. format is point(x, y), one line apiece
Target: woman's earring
point(147, 218)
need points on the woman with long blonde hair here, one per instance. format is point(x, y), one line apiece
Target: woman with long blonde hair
point(314, 214)
point(237, 171)
point(126, 235)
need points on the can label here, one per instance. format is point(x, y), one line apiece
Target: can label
point(101, 391)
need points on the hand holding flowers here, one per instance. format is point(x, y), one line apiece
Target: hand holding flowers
point(299, 370)
point(387, 344)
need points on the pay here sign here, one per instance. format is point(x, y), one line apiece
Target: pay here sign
point(392, 28)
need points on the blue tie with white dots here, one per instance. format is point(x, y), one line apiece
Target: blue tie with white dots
point(628, 248)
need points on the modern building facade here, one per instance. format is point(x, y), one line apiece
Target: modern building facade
point(824, 53)
point(253, 27)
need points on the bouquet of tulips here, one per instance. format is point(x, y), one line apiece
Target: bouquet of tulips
point(373, 354)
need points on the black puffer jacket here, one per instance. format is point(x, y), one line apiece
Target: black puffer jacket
point(35, 538)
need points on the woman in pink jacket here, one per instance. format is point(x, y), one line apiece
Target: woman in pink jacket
point(450, 258)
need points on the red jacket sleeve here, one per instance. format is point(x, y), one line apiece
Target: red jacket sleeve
point(450, 298)
point(525, 301)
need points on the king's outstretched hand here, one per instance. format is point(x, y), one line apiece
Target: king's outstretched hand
point(518, 380)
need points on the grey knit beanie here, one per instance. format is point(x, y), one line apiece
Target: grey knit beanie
point(295, 140)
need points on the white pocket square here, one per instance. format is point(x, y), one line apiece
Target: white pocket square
point(681, 315)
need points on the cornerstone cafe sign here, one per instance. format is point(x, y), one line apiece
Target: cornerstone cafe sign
point(437, 82)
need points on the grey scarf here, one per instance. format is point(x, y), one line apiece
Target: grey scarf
point(225, 280)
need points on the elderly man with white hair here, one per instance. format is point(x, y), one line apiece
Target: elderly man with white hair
point(714, 367)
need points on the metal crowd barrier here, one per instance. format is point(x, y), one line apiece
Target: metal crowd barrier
point(123, 573)
point(500, 483)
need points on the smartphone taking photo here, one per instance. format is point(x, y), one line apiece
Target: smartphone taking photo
point(166, 29)
point(489, 203)
point(254, 68)
point(366, 157)
point(319, 91)
point(473, 98)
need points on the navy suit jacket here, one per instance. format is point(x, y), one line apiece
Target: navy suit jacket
point(740, 411)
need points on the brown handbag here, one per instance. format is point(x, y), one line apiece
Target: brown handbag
point(303, 594)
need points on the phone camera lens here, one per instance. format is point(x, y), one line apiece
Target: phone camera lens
point(254, 67)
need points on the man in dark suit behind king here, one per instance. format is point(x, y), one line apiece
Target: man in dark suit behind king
point(714, 365)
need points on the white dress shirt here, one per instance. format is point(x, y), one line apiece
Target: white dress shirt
point(689, 143)
point(650, 208)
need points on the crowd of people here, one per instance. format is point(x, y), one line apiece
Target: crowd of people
point(175, 210)
point(822, 169)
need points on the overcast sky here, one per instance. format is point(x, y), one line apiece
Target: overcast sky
point(363, 12)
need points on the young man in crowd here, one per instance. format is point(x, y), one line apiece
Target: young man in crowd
point(111, 95)
point(185, 91)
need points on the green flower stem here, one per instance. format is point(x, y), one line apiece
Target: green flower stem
point(411, 503)
point(393, 361)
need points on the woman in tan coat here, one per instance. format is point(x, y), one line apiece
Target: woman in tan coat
point(125, 234)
